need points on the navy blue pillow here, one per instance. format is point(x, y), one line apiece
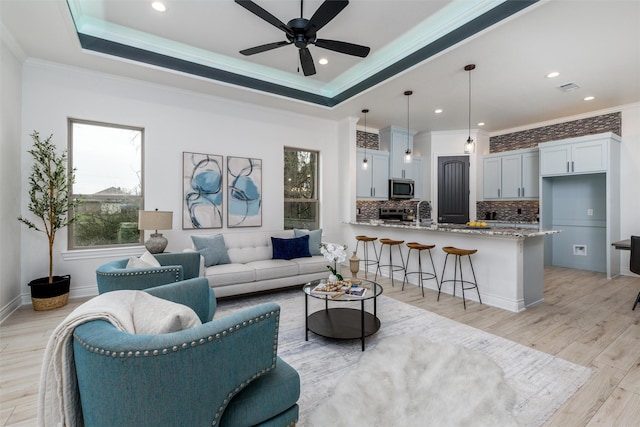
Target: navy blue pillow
point(298, 247)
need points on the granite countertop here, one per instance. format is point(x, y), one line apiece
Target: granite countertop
point(461, 228)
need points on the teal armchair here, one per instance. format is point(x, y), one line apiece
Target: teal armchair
point(225, 372)
point(174, 267)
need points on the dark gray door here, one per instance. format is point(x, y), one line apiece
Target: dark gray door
point(453, 189)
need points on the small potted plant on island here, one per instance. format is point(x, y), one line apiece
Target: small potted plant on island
point(50, 200)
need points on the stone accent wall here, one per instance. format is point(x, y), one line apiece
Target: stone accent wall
point(369, 140)
point(507, 210)
point(369, 209)
point(532, 137)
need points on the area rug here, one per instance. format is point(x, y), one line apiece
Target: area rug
point(541, 382)
point(409, 381)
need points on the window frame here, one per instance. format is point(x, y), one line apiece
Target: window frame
point(70, 229)
point(315, 200)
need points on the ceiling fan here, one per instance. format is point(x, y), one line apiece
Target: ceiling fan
point(302, 32)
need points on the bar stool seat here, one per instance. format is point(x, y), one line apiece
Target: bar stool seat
point(459, 253)
point(390, 243)
point(366, 240)
point(422, 275)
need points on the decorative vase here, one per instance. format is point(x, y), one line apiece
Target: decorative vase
point(354, 265)
point(332, 278)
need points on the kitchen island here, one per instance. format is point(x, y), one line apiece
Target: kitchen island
point(509, 264)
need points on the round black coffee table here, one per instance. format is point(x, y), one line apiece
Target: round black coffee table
point(342, 322)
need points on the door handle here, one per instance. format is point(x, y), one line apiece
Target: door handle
point(522, 191)
point(572, 168)
point(498, 192)
point(568, 167)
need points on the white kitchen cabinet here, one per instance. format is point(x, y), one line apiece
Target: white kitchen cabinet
point(372, 183)
point(576, 155)
point(395, 140)
point(511, 175)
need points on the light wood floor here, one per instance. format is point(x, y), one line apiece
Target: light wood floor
point(585, 319)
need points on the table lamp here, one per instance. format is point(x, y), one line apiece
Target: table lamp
point(155, 220)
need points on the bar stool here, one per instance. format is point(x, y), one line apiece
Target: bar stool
point(422, 275)
point(459, 253)
point(365, 241)
point(392, 267)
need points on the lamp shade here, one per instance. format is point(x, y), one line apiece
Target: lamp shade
point(155, 220)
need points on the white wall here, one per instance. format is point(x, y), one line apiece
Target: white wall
point(629, 178)
point(10, 131)
point(174, 121)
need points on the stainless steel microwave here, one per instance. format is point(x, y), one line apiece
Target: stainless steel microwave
point(401, 189)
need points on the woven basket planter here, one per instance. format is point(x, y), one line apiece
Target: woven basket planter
point(48, 296)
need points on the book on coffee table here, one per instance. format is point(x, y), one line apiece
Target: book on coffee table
point(334, 290)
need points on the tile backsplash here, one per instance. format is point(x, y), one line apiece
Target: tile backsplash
point(370, 209)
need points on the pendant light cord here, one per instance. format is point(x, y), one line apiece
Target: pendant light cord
point(408, 94)
point(469, 104)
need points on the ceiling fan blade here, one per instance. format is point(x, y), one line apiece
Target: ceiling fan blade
point(325, 13)
point(343, 47)
point(261, 13)
point(263, 48)
point(307, 62)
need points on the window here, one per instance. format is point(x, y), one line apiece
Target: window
point(107, 159)
point(300, 189)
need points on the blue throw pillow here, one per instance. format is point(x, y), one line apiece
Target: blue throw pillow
point(298, 247)
point(212, 248)
point(315, 238)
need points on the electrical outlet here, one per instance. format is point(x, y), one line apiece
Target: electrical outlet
point(519, 211)
point(589, 212)
point(580, 250)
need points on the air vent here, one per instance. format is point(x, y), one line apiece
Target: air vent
point(569, 87)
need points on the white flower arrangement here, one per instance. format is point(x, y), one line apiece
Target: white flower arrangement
point(335, 253)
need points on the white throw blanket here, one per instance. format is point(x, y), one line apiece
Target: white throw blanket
point(134, 312)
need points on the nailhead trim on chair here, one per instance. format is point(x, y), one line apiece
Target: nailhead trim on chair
point(201, 341)
point(142, 273)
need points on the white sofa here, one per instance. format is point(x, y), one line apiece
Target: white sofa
point(253, 269)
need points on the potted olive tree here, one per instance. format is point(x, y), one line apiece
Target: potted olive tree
point(49, 200)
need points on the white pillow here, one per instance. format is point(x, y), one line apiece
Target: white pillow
point(145, 260)
point(153, 315)
point(149, 259)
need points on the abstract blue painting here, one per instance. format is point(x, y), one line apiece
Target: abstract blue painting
point(202, 190)
point(244, 195)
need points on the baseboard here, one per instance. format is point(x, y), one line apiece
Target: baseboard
point(8, 309)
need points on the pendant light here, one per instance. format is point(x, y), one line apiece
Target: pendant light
point(407, 152)
point(365, 161)
point(469, 146)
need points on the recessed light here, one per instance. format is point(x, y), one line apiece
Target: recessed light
point(323, 61)
point(552, 74)
point(589, 98)
point(438, 111)
point(481, 124)
point(159, 6)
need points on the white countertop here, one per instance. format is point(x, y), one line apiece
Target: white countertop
point(461, 228)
